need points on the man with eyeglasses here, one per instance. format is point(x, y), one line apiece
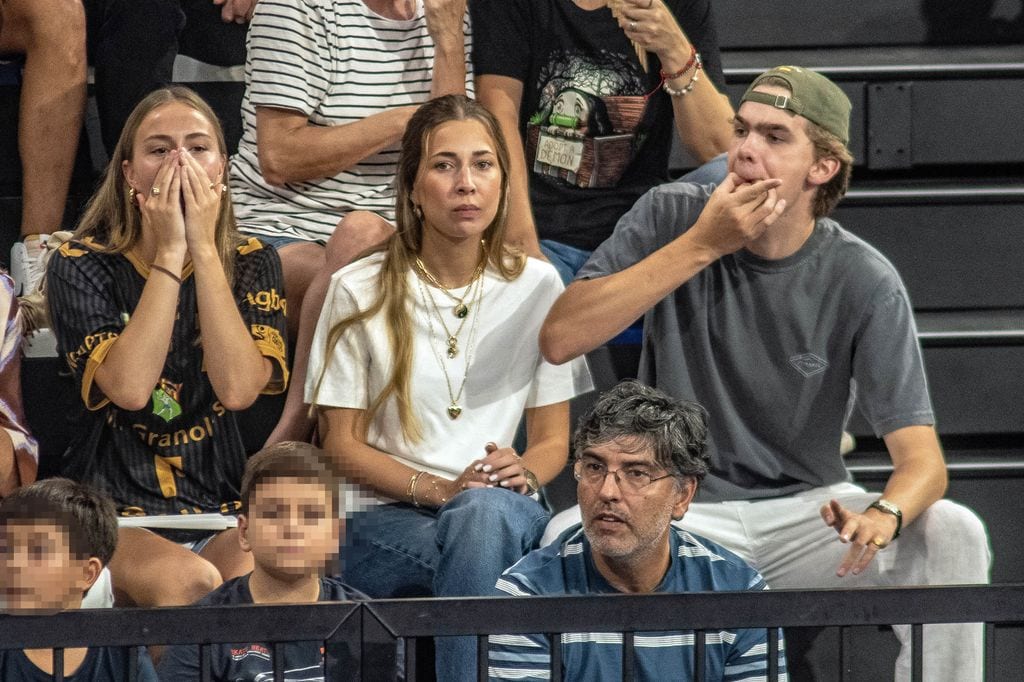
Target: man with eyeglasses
point(639, 456)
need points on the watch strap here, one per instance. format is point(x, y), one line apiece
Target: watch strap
point(887, 507)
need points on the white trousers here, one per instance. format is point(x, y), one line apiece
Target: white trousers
point(786, 540)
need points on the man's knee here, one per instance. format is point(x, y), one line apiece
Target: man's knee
point(958, 537)
point(200, 578)
point(195, 578)
point(357, 232)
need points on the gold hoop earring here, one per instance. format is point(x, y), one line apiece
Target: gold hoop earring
point(418, 212)
point(131, 194)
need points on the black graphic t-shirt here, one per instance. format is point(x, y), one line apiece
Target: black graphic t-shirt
point(253, 661)
point(183, 452)
point(596, 127)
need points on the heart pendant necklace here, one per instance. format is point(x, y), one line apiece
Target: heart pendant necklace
point(430, 309)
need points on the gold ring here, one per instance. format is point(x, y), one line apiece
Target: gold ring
point(879, 543)
point(632, 26)
point(155, 191)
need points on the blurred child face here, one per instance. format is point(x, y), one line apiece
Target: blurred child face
point(168, 130)
point(39, 571)
point(292, 528)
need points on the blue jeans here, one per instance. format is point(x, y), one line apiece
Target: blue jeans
point(459, 550)
point(569, 259)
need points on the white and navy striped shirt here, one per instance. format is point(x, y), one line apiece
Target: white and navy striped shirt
point(336, 62)
point(566, 567)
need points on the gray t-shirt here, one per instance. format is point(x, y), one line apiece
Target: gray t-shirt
point(775, 349)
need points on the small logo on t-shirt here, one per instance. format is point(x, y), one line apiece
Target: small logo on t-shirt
point(808, 364)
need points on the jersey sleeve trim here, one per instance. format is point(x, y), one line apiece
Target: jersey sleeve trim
point(270, 344)
point(92, 397)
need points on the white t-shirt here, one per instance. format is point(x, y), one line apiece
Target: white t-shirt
point(506, 370)
point(336, 62)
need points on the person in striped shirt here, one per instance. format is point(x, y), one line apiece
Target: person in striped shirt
point(639, 456)
point(330, 86)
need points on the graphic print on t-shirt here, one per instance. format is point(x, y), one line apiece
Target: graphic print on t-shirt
point(588, 124)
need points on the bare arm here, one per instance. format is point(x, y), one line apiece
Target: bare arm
point(293, 150)
point(592, 311)
point(919, 476)
point(341, 429)
point(235, 367)
point(918, 479)
point(703, 115)
point(547, 449)
point(547, 440)
point(502, 96)
point(134, 362)
point(445, 24)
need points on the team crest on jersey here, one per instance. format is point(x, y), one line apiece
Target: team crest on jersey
point(165, 400)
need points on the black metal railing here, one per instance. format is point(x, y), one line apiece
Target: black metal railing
point(360, 638)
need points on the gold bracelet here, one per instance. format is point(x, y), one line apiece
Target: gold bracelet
point(411, 492)
point(160, 268)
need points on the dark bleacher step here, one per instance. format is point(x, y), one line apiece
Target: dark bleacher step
point(972, 328)
point(915, 107)
point(830, 24)
point(892, 62)
point(954, 242)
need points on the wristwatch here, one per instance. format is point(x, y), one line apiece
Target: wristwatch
point(532, 484)
point(884, 505)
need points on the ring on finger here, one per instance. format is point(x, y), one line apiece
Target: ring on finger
point(632, 26)
point(155, 191)
point(879, 543)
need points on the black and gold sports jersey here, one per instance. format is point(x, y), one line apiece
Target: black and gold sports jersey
point(183, 453)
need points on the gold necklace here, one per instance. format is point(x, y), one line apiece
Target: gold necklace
point(453, 339)
point(461, 310)
point(453, 409)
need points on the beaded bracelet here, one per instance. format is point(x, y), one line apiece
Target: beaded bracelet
point(685, 90)
point(680, 72)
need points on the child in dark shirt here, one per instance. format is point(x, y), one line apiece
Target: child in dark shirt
point(55, 538)
point(289, 521)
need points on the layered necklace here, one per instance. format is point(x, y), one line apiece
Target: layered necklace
point(474, 293)
point(460, 310)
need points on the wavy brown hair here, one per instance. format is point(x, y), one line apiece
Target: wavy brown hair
point(405, 245)
point(112, 219)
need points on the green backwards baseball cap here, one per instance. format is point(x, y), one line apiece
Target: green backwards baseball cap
point(812, 96)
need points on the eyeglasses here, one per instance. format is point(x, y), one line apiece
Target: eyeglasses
point(630, 479)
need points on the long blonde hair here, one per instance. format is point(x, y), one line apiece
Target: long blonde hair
point(112, 219)
point(405, 245)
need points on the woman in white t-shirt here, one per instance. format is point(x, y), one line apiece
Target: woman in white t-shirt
point(423, 363)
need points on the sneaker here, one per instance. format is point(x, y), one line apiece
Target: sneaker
point(28, 264)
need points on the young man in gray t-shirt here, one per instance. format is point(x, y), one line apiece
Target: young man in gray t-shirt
point(774, 317)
